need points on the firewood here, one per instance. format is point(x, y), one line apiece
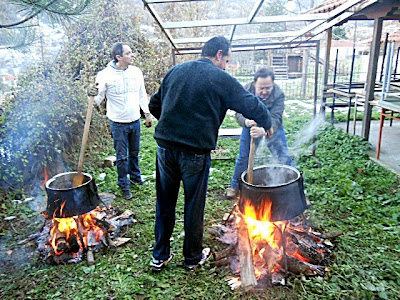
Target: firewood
point(229, 251)
point(60, 239)
point(245, 255)
point(220, 262)
point(314, 252)
point(278, 278)
point(110, 241)
point(306, 237)
point(120, 241)
point(73, 243)
point(332, 235)
point(91, 240)
point(234, 282)
point(90, 257)
point(298, 267)
point(31, 237)
point(91, 243)
point(105, 225)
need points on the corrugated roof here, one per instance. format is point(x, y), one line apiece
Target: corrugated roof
point(326, 6)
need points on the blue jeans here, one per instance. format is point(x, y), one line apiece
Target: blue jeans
point(172, 167)
point(277, 144)
point(126, 138)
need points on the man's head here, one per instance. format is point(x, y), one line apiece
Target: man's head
point(122, 54)
point(218, 50)
point(264, 82)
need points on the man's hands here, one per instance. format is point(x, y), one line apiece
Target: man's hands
point(256, 132)
point(149, 120)
point(92, 90)
point(250, 123)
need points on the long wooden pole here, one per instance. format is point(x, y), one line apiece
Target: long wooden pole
point(251, 161)
point(247, 275)
point(78, 178)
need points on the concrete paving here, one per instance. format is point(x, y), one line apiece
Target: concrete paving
point(390, 145)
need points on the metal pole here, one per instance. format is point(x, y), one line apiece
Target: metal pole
point(326, 68)
point(315, 91)
point(349, 91)
point(384, 56)
point(333, 86)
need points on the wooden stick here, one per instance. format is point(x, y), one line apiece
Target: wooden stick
point(90, 257)
point(78, 178)
point(251, 161)
point(245, 255)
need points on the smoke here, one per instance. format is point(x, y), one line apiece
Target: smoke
point(38, 129)
point(303, 143)
point(303, 139)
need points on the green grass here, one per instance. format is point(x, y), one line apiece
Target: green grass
point(349, 193)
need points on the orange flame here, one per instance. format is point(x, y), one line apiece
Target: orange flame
point(260, 226)
point(267, 238)
point(80, 226)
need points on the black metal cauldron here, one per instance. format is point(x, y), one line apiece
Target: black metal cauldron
point(280, 186)
point(78, 200)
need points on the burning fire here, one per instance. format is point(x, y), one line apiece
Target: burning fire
point(267, 240)
point(72, 235)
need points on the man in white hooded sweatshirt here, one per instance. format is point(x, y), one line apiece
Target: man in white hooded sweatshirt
point(123, 85)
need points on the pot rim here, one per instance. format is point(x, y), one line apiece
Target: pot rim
point(55, 177)
point(273, 166)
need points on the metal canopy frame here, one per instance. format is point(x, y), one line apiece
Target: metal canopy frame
point(313, 25)
point(316, 21)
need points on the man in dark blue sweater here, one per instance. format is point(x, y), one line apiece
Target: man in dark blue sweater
point(190, 105)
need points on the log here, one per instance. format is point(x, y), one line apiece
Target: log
point(73, 245)
point(298, 267)
point(332, 235)
point(90, 257)
point(278, 279)
point(220, 262)
point(60, 239)
point(245, 255)
point(110, 242)
point(91, 243)
point(229, 251)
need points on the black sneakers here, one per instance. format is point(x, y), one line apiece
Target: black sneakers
point(206, 254)
point(127, 194)
point(158, 264)
point(139, 182)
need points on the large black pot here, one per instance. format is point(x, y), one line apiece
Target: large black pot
point(78, 200)
point(278, 186)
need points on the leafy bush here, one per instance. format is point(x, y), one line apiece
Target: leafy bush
point(42, 126)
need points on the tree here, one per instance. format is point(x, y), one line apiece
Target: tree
point(339, 33)
point(42, 127)
point(19, 18)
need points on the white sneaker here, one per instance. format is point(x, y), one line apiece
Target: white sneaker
point(206, 254)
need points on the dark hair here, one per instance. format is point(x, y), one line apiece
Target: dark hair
point(264, 73)
point(212, 46)
point(117, 49)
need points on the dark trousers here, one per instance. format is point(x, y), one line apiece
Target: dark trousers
point(126, 138)
point(192, 169)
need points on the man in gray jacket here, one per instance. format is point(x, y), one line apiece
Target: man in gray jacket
point(273, 98)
